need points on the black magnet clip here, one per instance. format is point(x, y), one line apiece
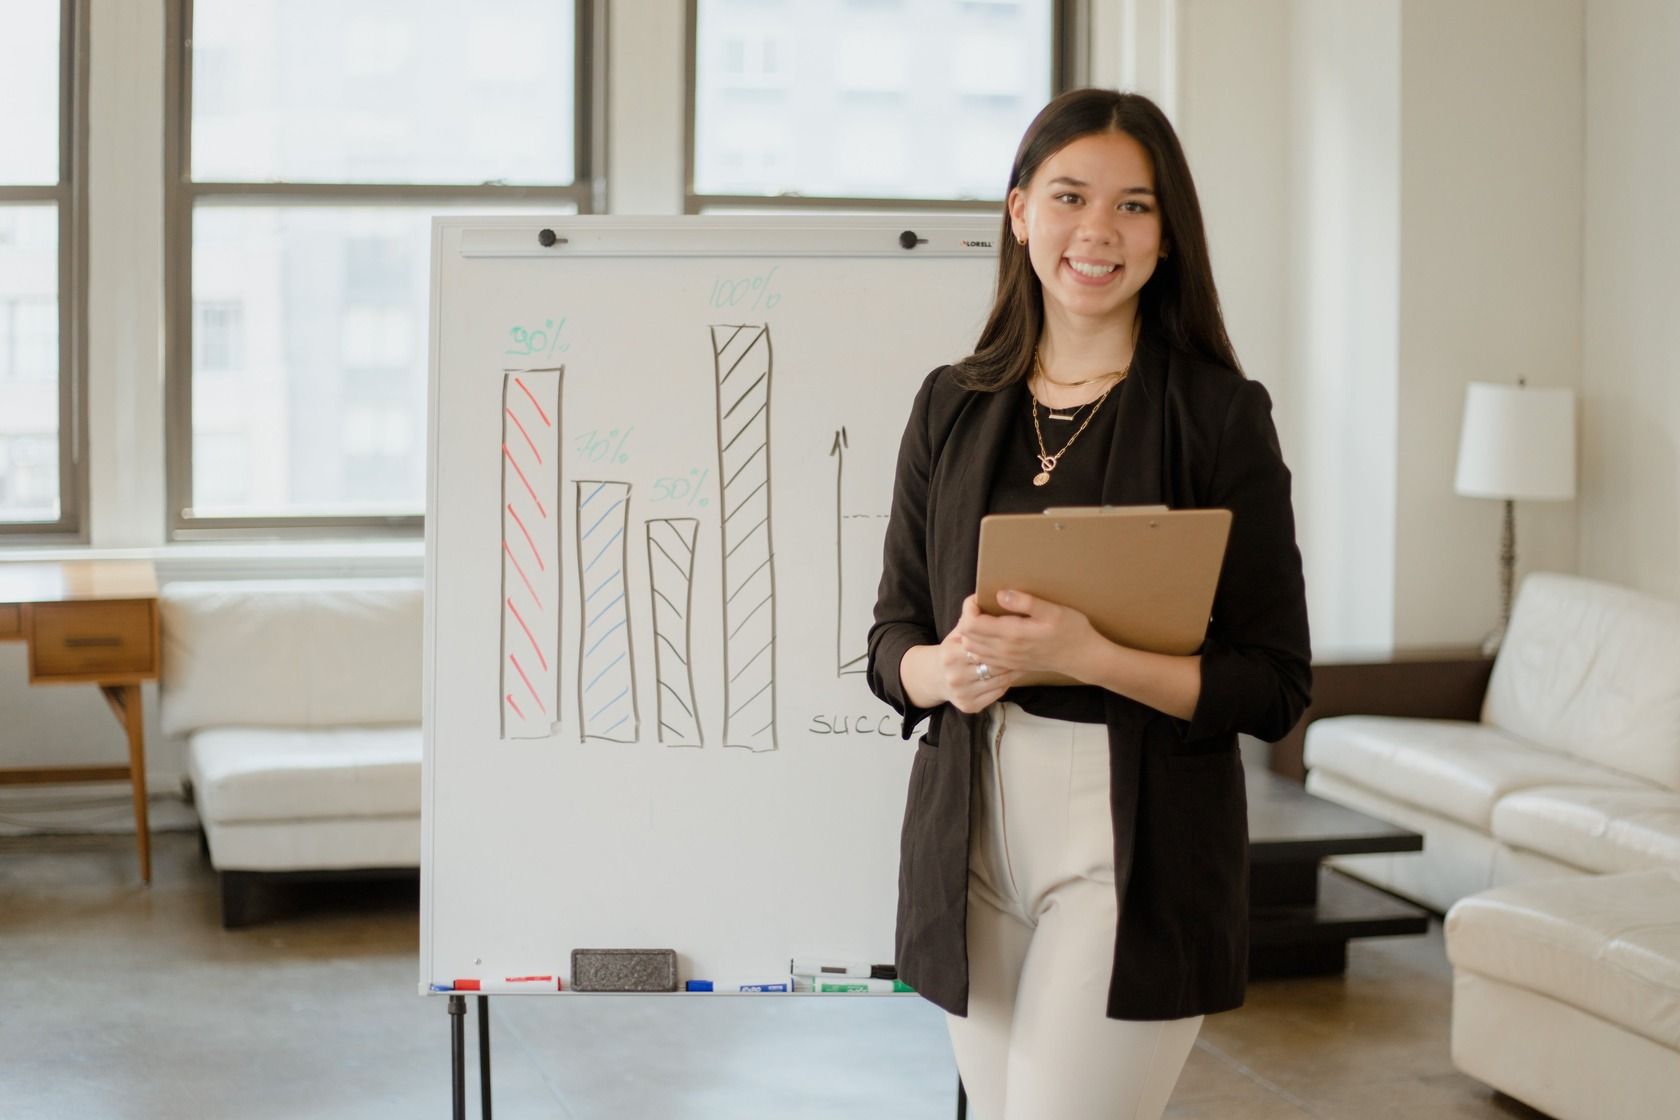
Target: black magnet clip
point(547, 238)
point(909, 240)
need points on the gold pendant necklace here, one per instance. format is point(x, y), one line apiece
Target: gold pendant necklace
point(1046, 461)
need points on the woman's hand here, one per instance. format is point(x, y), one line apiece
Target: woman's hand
point(948, 673)
point(1037, 635)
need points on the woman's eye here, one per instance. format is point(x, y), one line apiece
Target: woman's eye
point(1067, 196)
point(1135, 207)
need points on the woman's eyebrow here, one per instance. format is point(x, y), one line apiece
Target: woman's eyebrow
point(1069, 181)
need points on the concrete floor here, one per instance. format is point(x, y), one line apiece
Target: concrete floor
point(127, 1001)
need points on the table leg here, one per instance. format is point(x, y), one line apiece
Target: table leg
point(125, 702)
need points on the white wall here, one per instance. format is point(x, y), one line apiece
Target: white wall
point(1491, 148)
point(1393, 190)
point(1234, 118)
point(1630, 477)
point(1344, 277)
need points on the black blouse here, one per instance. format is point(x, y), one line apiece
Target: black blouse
point(1076, 481)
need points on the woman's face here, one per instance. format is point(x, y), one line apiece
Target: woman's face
point(1092, 225)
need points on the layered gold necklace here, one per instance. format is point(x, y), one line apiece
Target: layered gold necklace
point(1046, 461)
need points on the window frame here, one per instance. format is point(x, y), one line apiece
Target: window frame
point(183, 195)
point(1070, 67)
point(69, 194)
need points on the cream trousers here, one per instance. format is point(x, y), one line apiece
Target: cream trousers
point(1036, 1044)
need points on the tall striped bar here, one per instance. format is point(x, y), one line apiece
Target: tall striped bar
point(606, 665)
point(530, 653)
point(742, 362)
point(670, 549)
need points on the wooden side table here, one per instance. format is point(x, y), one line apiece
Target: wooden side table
point(89, 622)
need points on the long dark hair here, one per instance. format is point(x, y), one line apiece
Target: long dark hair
point(1179, 302)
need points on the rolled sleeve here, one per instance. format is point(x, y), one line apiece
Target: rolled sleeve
point(904, 601)
point(1256, 660)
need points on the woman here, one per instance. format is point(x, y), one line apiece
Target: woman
point(1073, 880)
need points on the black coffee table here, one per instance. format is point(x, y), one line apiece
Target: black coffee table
point(1301, 913)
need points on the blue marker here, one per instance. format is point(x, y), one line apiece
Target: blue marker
point(783, 984)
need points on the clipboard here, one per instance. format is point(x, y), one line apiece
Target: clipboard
point(1144, 575)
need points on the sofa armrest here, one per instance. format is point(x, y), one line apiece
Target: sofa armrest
point(1420, 684)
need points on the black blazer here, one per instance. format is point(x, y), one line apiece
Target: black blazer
point(1190, 434)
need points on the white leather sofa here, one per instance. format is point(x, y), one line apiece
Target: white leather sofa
point(1552, 839)
point(300, 701)
point(1574, 768)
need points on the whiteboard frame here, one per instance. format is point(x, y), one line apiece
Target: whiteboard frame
point(514, 237)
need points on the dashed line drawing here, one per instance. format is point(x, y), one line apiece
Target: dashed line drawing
point(856, 536)
point(850, 655)
point(742, 362)
point(670, 548)
point(606, 660)
point(529, 680)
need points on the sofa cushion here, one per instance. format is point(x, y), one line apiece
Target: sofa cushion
point(1453, 768)
point(1603, 830)
point(295, 653)
point(1607, 944)
point(1592, 670)
point(242, 774)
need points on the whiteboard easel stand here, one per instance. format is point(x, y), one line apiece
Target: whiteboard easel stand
point(491, 280)
point(458, 1056)
point(458, 1060)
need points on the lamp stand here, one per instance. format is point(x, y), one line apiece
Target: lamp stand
point(1507, 571)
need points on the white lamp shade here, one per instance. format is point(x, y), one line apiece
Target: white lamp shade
point(1517, 443)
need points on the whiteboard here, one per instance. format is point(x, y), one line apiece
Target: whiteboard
point(661, 460)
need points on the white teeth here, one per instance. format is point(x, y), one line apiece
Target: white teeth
point(1092, 270)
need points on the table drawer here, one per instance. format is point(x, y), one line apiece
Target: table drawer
point(87, 639)
point(11, 621)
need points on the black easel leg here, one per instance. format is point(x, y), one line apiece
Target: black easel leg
point(458, 1055)
point(484, 1056)
point(962, 1100)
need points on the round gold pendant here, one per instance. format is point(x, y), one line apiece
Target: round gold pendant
point(1041, 478)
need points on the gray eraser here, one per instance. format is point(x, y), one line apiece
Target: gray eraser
point(624, 970)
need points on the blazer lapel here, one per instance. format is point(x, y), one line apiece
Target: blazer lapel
point(961, 485)
point(1135, 473)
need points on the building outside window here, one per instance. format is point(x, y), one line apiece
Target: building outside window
point(865, 102)
point(320, 139)
point(39, 260)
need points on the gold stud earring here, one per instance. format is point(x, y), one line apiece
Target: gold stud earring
point(1021, 241)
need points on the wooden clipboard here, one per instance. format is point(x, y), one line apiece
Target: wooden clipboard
point(1144, 575)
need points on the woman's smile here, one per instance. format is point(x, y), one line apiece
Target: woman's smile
point(1091, 272)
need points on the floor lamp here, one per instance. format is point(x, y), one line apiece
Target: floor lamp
point(1516, 443)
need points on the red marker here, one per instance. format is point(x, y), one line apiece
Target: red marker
point(511, 984)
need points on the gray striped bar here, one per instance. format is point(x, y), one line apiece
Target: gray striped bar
point(742, 361)
point(670, 548)
point(606, 665)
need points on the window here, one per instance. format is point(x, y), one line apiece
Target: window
point(316, 140)
point(41, 205)
point(850, 103)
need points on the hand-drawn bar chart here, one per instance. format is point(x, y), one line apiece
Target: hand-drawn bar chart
point(670, 548)
point(530, 654)
point(742, 363)
point(606, 664)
